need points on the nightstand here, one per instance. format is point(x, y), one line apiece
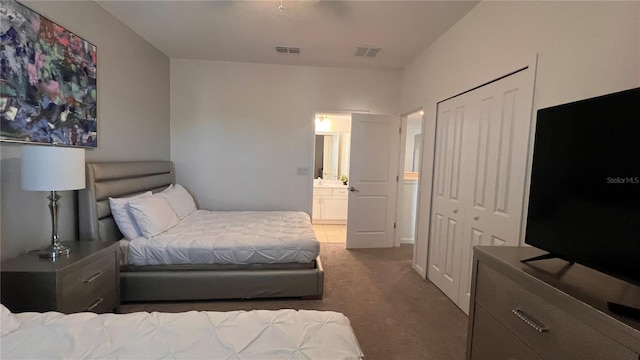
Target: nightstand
point(88, 279)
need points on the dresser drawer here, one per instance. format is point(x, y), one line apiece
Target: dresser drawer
point(340, 192)
point(547, 330)
point(87, 284)
point(322, 191)
point(493, 341)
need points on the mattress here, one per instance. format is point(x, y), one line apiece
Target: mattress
point(257, 334)
point(230, 237)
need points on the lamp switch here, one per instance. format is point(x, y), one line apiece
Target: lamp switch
point(303, 171)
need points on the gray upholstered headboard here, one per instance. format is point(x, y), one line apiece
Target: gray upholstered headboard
point(116, 179)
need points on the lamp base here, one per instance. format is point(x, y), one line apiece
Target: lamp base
point(53, 251)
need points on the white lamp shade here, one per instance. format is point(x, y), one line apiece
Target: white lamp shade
point(52, 168)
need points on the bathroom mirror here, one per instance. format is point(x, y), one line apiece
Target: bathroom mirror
point(326, 156)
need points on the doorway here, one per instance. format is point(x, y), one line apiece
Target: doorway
point(365, 185)
point(330, 176)
point(408, 182)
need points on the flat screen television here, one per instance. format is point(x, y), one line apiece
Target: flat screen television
point(584, 202)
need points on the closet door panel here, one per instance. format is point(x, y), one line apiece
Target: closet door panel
point(482, 144)
point(509, 145)
point(480, 183)
point(448, 211)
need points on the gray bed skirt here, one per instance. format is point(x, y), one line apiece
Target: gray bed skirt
point(159, 285)
point(171, 283)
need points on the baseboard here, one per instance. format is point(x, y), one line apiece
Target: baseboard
point(407, 240)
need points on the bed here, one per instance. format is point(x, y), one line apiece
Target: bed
point(257, 334)
point(159, 280)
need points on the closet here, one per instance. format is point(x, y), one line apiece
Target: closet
point(479, 178)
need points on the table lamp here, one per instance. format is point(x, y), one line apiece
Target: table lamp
point(53, 168)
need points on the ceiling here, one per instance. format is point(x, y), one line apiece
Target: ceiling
point(327, 32)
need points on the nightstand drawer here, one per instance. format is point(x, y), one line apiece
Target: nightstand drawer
point(87, 284)
point(101, 301)
point(543, 327)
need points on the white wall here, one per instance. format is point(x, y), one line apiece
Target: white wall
point(133, 120)
point(585, 49)
point(240, 131)
point(414, 127)
point(338, 123)
point(408, 194)
point(345, 154)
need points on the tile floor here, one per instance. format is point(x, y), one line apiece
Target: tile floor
point(330, 233)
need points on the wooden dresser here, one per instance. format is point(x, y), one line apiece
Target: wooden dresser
point(546, 310)
point(85, 280)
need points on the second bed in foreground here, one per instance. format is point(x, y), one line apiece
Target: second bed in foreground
point(257, 334)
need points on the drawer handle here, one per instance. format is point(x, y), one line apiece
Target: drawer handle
point(95, 276)
point(94, 305)
point(522, 316)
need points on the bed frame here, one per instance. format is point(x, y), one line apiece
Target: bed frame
point(183, 282)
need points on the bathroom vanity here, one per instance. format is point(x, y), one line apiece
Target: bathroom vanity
point(330, 202)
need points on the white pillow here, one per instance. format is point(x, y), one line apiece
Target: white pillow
point(8, 322)
point(124, 220)
point(181, 201)
point(153, 215)
point(167, 189)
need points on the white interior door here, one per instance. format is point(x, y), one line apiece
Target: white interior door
point(372, 180)
point(482, 143)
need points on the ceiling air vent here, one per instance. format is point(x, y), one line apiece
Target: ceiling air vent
point(366, 51)
point(288, 50)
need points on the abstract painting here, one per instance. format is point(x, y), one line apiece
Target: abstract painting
point(48, 88)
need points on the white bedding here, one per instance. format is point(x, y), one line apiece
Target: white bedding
point(231, 237)
point(258, 334)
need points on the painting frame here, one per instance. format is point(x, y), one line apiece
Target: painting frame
point(48, 81)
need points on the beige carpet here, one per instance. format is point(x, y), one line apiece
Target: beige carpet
point(394, 313)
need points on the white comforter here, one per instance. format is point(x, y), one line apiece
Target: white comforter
point(258, 334)
point(231, 237)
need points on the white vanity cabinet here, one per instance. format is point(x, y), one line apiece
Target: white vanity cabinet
point(330, 205)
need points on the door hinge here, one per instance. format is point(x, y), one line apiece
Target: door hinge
point(394, 225)
point(397, 178)
point(400, 130)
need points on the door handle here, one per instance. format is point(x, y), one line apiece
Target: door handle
point(352, 189)
point(476, 217)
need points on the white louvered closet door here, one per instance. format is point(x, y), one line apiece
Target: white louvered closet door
point(479, 181)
